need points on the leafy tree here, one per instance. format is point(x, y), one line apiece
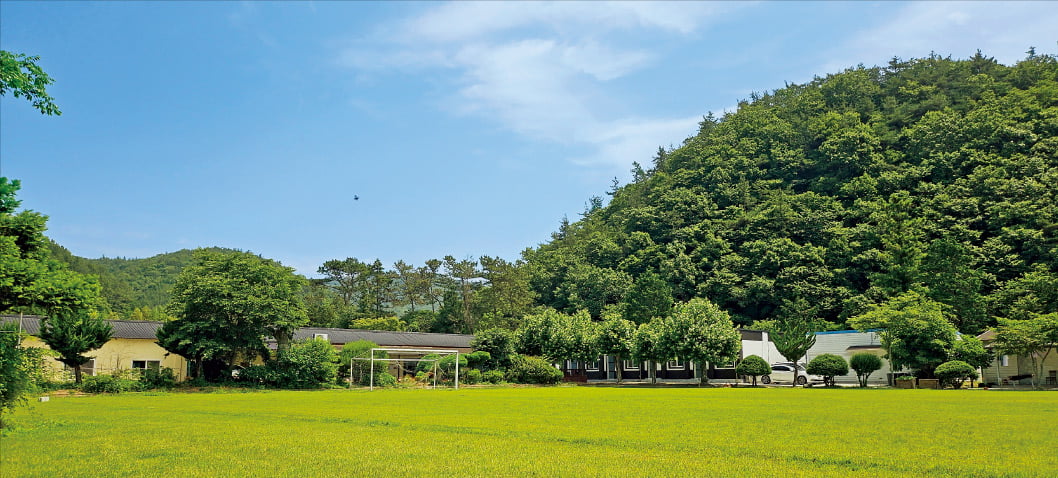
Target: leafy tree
point(226, 302)
point(648, 297)
point(506, 297)
point(792, 339)
point(532, 370)
point(865, 363)
point(465, 272)
point(19, 367)
point(753, 366)
point(72, 333)
point(970, 350)
point(498, 343)
point(350, 361)
point(30, 279)
point(307, 364)
point(829, 366)
point(1033, 338)
point(916, 332)
point(21, 75)
point(650, 346)
point(379, 323)
point(955, 372)
point(617, 337)
point(700, 332)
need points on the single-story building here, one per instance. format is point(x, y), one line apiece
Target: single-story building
point(133, 345)
point(843, 343)
point(1014, 369)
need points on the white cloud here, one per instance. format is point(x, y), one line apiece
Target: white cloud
point(1004, 30)
point(543, 69)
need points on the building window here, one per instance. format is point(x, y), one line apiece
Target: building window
point(146, 364)
point(320, 336)
point(629, 365)
point(592, 366)
point(1005, 361)
point(676, 364)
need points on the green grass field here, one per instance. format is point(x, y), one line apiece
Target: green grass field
point(561, 431)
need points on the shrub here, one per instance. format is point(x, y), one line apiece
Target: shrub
point(532, 370)
point(163, 377)
point(118, 382)
point(422, 376)
point(954, 373)
point(447, 366)
point(308, 364)
point(385, 379)
point(473, 376)
point(361, 368)
point(865, 363)
point(426, 363)
point(499, 343)
point(753, 366)
point(829, 366)
point(256, 374)
point(480, 360)
point(493, 376)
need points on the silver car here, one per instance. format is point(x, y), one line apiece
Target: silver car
point(784, 372)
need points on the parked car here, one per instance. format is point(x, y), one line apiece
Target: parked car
point(784, 372)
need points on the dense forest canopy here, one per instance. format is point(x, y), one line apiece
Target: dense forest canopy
point(816, 202)
point(822, 199)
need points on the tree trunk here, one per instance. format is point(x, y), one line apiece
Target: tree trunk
point(619, 365)
point(702, 379)
point(652, 372)
point(77, 374)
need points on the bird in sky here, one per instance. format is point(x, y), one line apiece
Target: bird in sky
point(356, 198)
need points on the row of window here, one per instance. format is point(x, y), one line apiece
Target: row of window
point(89, 368)
point(593, 366)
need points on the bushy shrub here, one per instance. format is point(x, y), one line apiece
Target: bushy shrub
point(385, 379)
point(829, 366)
point(493, 376)
point(525, 369)
point(361, 369)
point(162, 377)
point(447, 366)
point(753, 366)
point(480, 360)
point(117, 382)
point(865, 363)
point(426, 363)
point(954, 373)
point(473, 376)
point(422, 376)
point(307, 364)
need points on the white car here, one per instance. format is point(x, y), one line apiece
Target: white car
point(784, 372)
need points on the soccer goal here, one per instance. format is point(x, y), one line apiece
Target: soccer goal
point(418, 353)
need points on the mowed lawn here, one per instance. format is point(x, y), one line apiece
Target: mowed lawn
point(550, 431)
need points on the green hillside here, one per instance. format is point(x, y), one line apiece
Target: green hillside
point(130, 283)
point(820, 199)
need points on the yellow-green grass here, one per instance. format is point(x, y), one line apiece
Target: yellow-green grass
point(560, 431)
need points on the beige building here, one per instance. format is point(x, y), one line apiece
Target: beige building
point(133, 345)
point(1016, 370)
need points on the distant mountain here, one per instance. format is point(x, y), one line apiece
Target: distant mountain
point(130, 283)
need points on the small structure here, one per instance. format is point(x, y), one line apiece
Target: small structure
point(1014, 369)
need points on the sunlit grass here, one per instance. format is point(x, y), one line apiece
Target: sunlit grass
point(564, 431)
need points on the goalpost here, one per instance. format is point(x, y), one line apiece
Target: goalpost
point(421, 352)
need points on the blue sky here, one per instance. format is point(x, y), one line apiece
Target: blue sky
point(465, 128)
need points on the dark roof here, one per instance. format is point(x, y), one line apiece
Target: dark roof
point(139, 329)
point(388, 339)
point(123, 329)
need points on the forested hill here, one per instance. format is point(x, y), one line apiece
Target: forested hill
point(817, 200)
point(130, 283)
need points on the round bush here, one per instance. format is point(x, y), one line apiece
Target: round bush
point(532, 370)
point(472, 376)
point(829, 366)
point(385, 379)
point(865, 363)
point(954, 373)
point(493, 376)
point(753, 366)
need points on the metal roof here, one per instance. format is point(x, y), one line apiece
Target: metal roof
point(139, 329)
point(387, 338)
point(123, 329)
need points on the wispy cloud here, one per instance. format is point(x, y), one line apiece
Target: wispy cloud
point(1004, 30)
point(543, 70)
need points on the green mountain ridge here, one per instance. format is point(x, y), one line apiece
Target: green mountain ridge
point(130, 283)
point(822, 199)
